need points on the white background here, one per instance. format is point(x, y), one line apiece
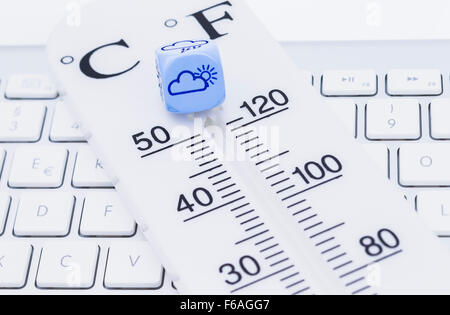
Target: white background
point(30, 21)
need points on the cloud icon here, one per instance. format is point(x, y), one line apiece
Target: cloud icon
point(185, 45)
point(186, 83)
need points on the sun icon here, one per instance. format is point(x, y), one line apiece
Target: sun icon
point(207, 73)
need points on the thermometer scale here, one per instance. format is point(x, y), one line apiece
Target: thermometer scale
point(272, 198)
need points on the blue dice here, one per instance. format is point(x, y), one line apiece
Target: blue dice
point(190, 76)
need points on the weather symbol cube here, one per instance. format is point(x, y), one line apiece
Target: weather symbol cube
point(190, 76)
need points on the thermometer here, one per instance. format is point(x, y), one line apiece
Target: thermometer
point(269, 198)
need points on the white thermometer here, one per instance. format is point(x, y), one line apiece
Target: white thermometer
point(273, 200)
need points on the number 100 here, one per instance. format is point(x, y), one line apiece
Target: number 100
point(318, 171)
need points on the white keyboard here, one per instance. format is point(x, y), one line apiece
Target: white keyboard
point(62, 227)
point(394, 98)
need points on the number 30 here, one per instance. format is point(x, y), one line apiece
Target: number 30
point(248, 266)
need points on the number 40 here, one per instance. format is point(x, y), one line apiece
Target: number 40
point(201, 197)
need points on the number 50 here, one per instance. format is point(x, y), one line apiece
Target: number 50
point(157, 134)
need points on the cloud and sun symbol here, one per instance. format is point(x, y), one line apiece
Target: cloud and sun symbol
point(192, 82)
point(185, 45)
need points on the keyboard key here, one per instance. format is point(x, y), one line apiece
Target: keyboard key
point(64, 129)
point(345, 109)
point(440, 114)
point(21, 121)
point(5, 202)
point(379, 154)
point(44, 214)
point(414, 82)
point(349, 83)
point(38, 167)
point(398, 119)
point(89, 171)
point(434, 207)
point(14, 264)
point(67, 265)
point(132, 265)
point(424, 165)
point(104, 215)
point(30, 86)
